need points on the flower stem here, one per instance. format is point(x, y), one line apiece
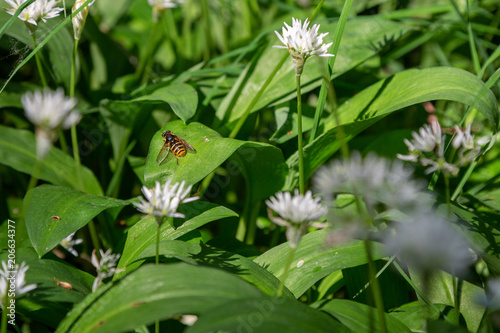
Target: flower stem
point(279, 293)
point(38, 62)
point(250, 106)
point(4, 313)
point(73, 71)
point(34, 175)
point(93, 235)
point(447, 191)
point(157, 257)
point(143, 70)
point(299, 136)
point(377, 294)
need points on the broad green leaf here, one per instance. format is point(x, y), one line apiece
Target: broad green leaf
point(143, 233)
point(18, 150)
point(362, 39)
point(54, 212)
point(265, 315)
point(48, 302)
point(200, 254)
point(441, 291)
point(312, 260)
point(360, 317)
point(262, 163)
point(155, 292)
point(414, 315)
point(389, 95)
point(182, 98)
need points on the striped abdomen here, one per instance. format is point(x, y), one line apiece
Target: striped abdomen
point(178, 148)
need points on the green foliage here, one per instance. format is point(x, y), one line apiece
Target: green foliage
point(204, 70)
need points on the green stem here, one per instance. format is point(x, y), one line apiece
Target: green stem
point(157, 257)
point(447, 191)
point(34, 175)
point(93, 235)
point(142, 72)
point(250, 106)
point(73, 71)
point(38, 62)
point(289, 260)
point(76, 155)
point(4, 314)
point(299, 136)
point(377, 294)
point(62, 140)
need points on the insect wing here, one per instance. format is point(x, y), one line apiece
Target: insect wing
point(187, 145)
point(162, 155)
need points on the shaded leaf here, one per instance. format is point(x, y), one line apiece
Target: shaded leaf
point(155, 292)
point(182, 98)
point(54, 212)
point(143, 233)
point(18, 150)
point(265, 314)
point(389, 95)
point(317, 261)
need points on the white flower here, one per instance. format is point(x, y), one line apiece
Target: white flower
point(302, 42)
point(429, 244)
point(68, 243)
point(161, 5)
point(38, 10)
point(492, 297)
point(164, 201)
point(439, 164)
point(469, 148)
point(426, 139)
point(79, 19)
point(296, 212)
point(164, 4)
point(18, 275)
point(48, 111)
point(106, 267)
point(374, 179)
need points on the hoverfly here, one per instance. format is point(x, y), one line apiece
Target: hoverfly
point(175, 144)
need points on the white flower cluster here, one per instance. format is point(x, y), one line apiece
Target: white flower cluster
point(49, 111)
point(296, 213)
point(38, 10)
point(18, 275)
point(303, 42)
point(429, 244)
point(468, 148)
point(161, 5)
point(164, 200)
point(68, 243)
point(427, 147)
point(373, 179)
point(105, 268)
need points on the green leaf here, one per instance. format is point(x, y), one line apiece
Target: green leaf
point(18, 150)
point(143, 233)
point(265, 315)
point(414, 315)
point(54, 212)
point(441, 291)
point(263, 163)
point(389, 95)
point(155, 292)
point(362, 39)
point(200, 254)
point(317, 261)
point(48, 302)
point(182, 98)
point(361, 318)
